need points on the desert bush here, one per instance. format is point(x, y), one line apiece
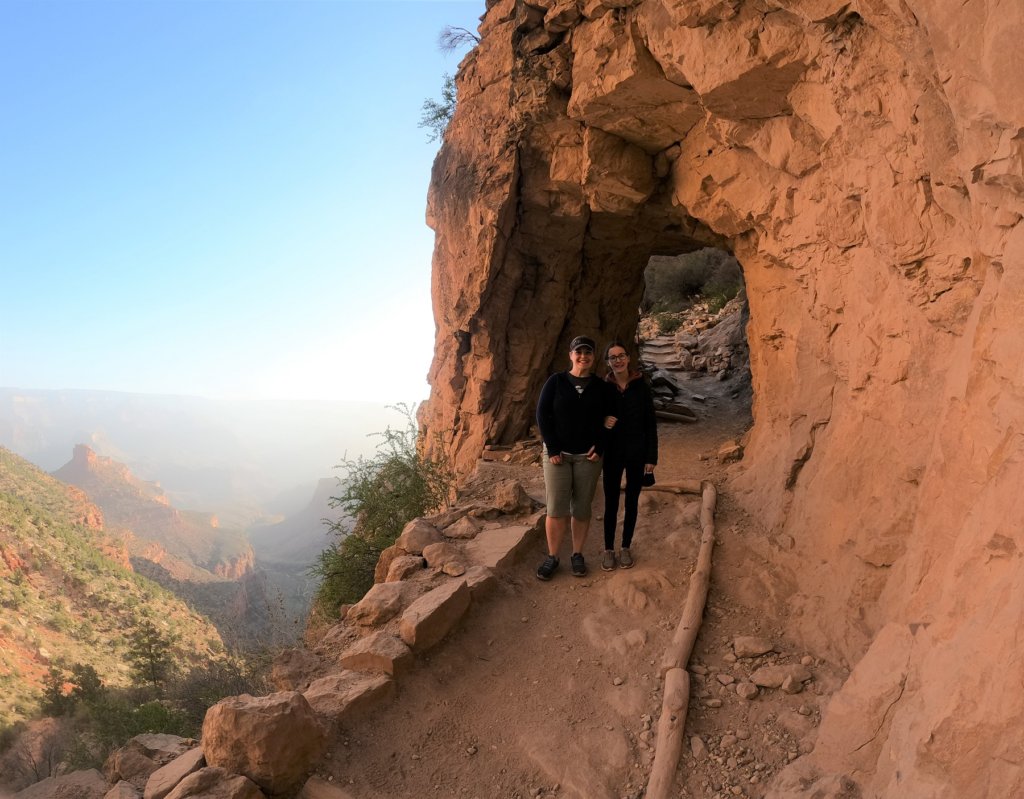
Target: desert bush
point(380, 495)
point(116, 717)
point(94, 720)
point(672, 283)
point(668, 323)
point(201, 688)
point(35, 751)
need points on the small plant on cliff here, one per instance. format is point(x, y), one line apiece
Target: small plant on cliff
point(451, 38)
point(380, 495)
point(435, 115)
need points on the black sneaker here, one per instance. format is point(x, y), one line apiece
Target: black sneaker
point(547, 568)
point(579, 568)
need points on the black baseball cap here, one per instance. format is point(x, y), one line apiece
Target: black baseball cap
point(581, 341)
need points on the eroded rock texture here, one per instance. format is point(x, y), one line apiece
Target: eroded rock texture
point(863, 160)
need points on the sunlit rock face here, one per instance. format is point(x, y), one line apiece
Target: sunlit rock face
point(863, 160)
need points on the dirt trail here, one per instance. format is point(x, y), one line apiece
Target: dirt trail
point(551, 689)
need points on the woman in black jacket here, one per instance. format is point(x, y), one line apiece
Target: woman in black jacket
point(632, 448)
point(571, 414)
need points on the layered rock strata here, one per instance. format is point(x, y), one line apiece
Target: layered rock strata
point(863, 161)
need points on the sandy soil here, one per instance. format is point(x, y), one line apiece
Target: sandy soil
point(552, 689)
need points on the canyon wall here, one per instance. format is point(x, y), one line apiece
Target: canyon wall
point(863, 161)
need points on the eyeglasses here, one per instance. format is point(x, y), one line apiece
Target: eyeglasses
point(622, 357)
point(583, 351)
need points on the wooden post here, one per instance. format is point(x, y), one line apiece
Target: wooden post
point(671, 725)
point(670, 733)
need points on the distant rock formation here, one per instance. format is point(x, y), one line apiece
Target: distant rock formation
point(212, 567)
point(187, 544)
point(864, 161)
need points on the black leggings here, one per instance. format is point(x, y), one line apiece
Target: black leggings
point(613, 469)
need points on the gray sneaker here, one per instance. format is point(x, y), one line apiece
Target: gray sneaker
point(579, 566)
point(608, 561)
point(625, 559)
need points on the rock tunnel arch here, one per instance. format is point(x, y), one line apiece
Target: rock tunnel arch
point(560, 276)
point(863, 162)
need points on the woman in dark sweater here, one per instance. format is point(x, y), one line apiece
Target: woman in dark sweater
point(632, 448)
point(571, 412)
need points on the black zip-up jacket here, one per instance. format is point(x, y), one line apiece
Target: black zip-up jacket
point(571, 421)
point(635, 435)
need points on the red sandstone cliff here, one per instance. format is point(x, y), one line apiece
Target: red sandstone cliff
point(863, 160)
point(187, 544)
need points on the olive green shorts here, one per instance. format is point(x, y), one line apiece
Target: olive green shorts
point(569, 486)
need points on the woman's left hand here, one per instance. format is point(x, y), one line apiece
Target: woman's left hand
point(648, 468)
point(592, 454)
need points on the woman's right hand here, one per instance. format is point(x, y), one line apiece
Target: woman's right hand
point(556, 459)
point(609, 422)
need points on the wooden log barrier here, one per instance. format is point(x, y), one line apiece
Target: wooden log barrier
point(672, 722)
point(670, 732)
point(682, 487)
point(675, 417)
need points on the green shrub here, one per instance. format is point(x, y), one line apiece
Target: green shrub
point(380, 495)
point(672, 283)
point(104, 719)
point(668, 323)
point(114, 719)
point(204, 686)
point(435, 115)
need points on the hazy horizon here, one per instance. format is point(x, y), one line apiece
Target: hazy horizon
point(236, 458)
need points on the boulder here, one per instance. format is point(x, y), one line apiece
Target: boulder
point(216, 783)
point(340, 696)
point(431, 617)
point(416, 535)
point(387, 557)
point(274, 740)
point(381, 603)
point(510, 497)
point(162, 781)
point(404, 566)
point(76, 785)
point(142, 755)
point(380, 651)
point(466, 527)
point(498, 548)
point(123, 790)
point(440, 554)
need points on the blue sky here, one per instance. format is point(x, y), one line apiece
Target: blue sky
point(221, 199)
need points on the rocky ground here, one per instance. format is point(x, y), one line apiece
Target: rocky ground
point(552, 689)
